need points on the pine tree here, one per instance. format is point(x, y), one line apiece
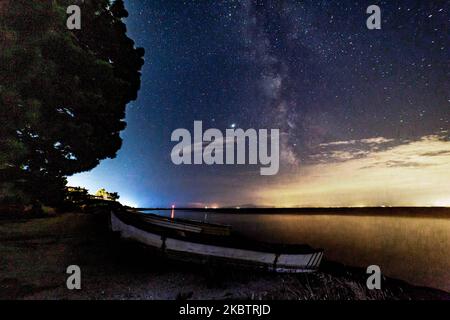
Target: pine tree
point(62, 93)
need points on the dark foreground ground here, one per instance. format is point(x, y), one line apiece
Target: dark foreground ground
point(35, 253)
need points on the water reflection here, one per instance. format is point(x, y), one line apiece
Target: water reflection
point(415, 249)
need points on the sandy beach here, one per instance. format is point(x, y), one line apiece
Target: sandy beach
point(35, 253)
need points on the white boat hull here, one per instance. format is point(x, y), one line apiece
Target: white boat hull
point(305, 262)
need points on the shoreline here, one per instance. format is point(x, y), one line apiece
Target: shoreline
point(34, 254)
point(407, 212)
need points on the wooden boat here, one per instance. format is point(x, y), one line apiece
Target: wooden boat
point(212, 243)
point(186, 225)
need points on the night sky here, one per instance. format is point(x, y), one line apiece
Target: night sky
point(363, 114)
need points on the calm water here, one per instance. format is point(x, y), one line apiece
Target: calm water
point(415, 249)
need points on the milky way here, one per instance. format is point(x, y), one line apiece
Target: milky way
point(311, 69)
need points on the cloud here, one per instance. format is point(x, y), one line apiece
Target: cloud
point(409, 173)
point(436, 153)
point(407, 164)
point(337, 143)
point(376, 140)
point(345, 150)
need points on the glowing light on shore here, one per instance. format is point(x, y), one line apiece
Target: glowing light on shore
point(442, 203)
point(172, 213)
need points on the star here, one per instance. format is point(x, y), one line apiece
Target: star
point(274, 66)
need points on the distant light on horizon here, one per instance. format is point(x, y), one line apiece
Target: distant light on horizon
point(442, 203)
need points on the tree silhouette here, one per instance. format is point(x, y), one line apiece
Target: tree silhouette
point(62, 93)
point(107, 195)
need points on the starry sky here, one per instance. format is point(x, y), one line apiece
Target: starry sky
point(363, 114)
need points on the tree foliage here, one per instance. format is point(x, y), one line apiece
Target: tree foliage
point(62, 93)
point(77, 194)
point(113, 196)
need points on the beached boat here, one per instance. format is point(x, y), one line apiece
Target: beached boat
point(185, 225)
point(212, 243)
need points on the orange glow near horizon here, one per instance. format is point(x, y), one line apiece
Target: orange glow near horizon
point(411, 174)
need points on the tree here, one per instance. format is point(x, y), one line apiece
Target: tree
point(62, 93)
point(113, 196)
point(101, 193)
point(77, 194)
